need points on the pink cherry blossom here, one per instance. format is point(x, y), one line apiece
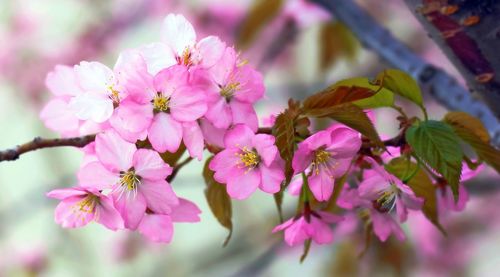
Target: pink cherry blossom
point(327, 154)
point(248, 162)
point(233, 90)
point(166, 112)
point(383, 222)
point(160, 228)
point(179, 46)
point(386, 192)
point(79, 206)
point(313, 225)
point(135, 176)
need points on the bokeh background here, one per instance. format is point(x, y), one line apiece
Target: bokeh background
point(37, 35)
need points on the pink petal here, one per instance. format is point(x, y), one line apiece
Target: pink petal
point(239, 137)
point(186, 211)
point(165, 133)
point(212, 135)
point(170, 79)
point(66, 193)
point(318, 140)
point(243, 113)
point(370, 188)
point(211, 50)
point(130, 206)
point(302, 158)
point(149, 165)
point(329, 217)
point(178, 33)
point(321, 232)
point(296, 233)
point(157, 228)
point(283, 225)
point(272, 177)
point(131, 119)
point(224, 67)
point(107, 215)
point(193, 139)
point(219, 114)
point(159, 196)
point(242, 186)
point(345, 143)
point(321, 185)
point(401, 210)
point(95, 106)
point(62, 81)
point(95, 175)
point(188, 104)
point(59, 117)
point(251, 84)
point(114, 152)
point(68, 215)
point(158, 56)
point(224, 163)
point(132, 74)
point(264, 144)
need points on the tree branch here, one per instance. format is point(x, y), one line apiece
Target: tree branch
point(39, 143)
point(442, 86)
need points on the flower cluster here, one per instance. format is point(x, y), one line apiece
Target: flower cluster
point(158, 98)
point(181, 93)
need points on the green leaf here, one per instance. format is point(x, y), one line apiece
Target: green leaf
point(335, 95)
point(402, 84)
point(349, 115)
point(418, 180)
point(382, 98)
point(218, 200)
point(284, 132)
point(472, 131)
point(436, 144)
point(262, 12)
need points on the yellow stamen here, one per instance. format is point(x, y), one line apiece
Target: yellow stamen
point(161, 103)
point(186, 57)
point(229, 90)
point(249, 158)
point(320, 157)
point(87, 204)
point(114, 94)
point(130, 180)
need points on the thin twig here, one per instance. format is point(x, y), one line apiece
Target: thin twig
point(40, 143)
point(178, 167)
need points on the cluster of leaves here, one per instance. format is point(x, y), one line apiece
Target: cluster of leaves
point(430, 149)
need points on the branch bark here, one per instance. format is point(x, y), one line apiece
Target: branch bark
point(442, 86)
point(40, 143)
point(468, 32)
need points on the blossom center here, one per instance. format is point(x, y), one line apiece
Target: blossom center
point(321, 157)
point(161, 103)
point(114, 94)
point(229, 90)
point(130, 180)
point(87, 204)
point(185, 58)
point(249, 158)
point(386, 199)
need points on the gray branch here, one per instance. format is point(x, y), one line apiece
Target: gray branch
point(441, 85)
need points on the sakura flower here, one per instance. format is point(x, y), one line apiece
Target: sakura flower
point(57, 114)
point(312, 225)
point(79, 206)
point(179, 46)
point(248, 162)
point(235, 87)
point(386, 192)
point(167, 112)
point(135, 176)
point(160, 227)
point(382, 221)
point(327, 154)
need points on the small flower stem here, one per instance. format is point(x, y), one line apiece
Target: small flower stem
point(178, 167)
